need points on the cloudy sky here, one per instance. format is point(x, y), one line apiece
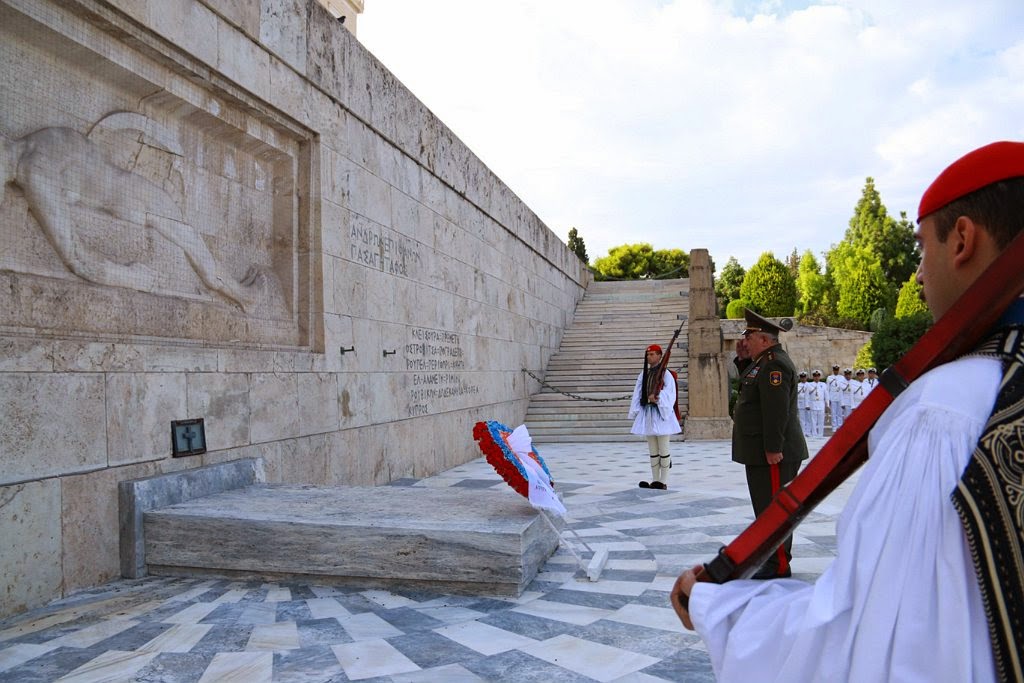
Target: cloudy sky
point(740, 127)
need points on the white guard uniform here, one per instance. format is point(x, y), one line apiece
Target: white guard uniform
point(657, 423)
point(869, 384)
point(856, 393)
point(816, 394)
point(900, 602)
point(846, 400)
point(836, 384)
point(803, 408)
point(657, 420)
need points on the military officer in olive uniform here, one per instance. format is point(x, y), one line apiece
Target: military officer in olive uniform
point(766, 434)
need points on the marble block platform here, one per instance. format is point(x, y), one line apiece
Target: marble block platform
point(451, 539)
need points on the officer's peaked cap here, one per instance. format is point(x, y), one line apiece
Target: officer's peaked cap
point(758, 323)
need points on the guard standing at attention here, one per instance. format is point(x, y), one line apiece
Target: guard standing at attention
point(655, 414)
point(836, 384)
point(817, 392)
point(803, 406)
point(766, 434)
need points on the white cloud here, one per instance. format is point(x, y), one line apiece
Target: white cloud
point(739, 127)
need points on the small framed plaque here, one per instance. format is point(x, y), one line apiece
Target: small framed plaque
point(188, 437)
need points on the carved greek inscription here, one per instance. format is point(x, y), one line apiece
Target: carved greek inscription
point(371, 247)
point(435, 357)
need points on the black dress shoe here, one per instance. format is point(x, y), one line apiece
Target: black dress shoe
point(658, 485)
point(764, 574)
point(644, 485)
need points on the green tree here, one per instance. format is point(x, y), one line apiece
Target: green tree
point(670, 263)
point(577, 246)
point(769, 287)
point(891, 240)
point(878, 316)
point(909, 301)
point(863, 271)
point(859, 287)
point(895, 337)
point(864, 358)
point(793, 263)
point(727, 285)
point(810, 284)
point(638, 261)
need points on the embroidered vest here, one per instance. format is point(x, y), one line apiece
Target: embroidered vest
point(990, 501)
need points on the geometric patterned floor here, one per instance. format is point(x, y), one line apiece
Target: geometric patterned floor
point(563, 628)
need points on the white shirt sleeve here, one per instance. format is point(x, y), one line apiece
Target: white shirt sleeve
point(634, 406)
point(901, 600)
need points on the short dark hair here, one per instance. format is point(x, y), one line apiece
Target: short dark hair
point(999, 207)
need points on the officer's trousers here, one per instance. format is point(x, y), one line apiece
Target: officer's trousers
point(837, 415)
point(763, 482)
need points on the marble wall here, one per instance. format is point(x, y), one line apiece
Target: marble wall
point(231, 210)
point(811, 348)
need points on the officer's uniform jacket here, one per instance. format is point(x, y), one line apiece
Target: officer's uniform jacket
point(856, 392)
point(766, 418)
point(847, 398)
point(816, 394)
point(836, 384)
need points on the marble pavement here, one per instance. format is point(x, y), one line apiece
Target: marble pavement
point(562, 627)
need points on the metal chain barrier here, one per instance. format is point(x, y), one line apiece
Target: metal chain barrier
point(575, 396)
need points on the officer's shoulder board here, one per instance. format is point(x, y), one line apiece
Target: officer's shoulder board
point(771, 355)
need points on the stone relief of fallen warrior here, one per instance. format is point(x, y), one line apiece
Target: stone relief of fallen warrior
point(60, 170)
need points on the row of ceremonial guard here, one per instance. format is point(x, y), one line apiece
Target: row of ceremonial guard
point(839, 393)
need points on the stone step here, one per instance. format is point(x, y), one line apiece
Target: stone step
point(573, 422)
point(573, 429)
point(600, 355)
point(539, 440)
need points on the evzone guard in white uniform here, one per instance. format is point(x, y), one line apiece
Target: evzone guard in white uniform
point(917, 590)
point(836, 383)
point(653, 411)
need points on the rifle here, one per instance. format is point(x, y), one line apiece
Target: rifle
point(660, 369)
point(956, 333)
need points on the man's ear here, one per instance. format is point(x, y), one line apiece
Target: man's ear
point(963, 240)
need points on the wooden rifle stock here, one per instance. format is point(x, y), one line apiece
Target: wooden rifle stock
point(957, 332)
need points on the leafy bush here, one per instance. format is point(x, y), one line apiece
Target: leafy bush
point(895, 337)
point(735, 309)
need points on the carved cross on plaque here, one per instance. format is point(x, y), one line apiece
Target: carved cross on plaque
point(188, 437)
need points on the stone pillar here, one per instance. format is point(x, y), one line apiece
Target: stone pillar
point(706, 372)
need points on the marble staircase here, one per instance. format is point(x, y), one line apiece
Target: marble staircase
point(600, 356)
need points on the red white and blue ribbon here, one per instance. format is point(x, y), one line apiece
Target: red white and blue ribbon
point(511, 453)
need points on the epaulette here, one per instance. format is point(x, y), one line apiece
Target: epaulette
point(771, 355)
